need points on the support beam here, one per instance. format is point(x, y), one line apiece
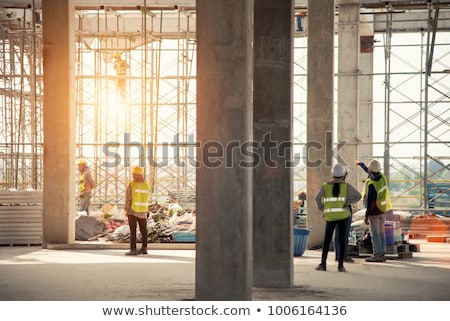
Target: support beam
point(348, 86)
point(320, 108)
point(224, 269)
point(272, 129)
point(59, 122)
point(365, 113)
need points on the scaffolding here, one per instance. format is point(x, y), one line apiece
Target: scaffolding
point(136, 97)
point(20, 100)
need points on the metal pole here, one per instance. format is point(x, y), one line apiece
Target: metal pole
point(387, 87)
point(425, 125)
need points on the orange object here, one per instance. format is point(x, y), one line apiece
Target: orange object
point(437, 239)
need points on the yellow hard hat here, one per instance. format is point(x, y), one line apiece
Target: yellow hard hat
point(138, 171)
point(82, 161)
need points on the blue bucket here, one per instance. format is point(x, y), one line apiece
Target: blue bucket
point(389, 231)
point(301, 236)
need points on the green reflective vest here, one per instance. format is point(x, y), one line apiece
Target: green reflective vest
point(81, 183)
point(333, 207)
point(139, 196)
point(384, 203)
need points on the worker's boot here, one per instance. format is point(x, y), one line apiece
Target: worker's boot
point(375, 259)
point(321, 267)
point(142, 251)
point(132, 252)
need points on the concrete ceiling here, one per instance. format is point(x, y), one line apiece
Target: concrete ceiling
point(124, 17)
point(180, 3)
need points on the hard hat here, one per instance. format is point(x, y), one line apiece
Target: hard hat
point(374, 166)
point(338, 170)
point(137, 171)
point(82, 161)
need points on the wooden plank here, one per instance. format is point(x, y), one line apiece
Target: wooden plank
point(21, 218)
point(20, 215)
point(11, 214)
point(13, 239)
point(23, 221)
point(12, 210)
point(37, 231)
point(19, 208)
point(4, 227)
point(21, 242)
point(21, 197)
point(24, 229)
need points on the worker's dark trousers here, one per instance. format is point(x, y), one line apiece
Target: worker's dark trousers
point(329, 228)
point(133, 221)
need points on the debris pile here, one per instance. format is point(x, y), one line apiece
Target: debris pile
point(110, 224)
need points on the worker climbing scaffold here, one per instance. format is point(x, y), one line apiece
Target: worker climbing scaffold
point(121, 66)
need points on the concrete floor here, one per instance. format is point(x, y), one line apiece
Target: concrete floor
point(29, 273)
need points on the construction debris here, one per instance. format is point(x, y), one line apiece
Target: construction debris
point(108, 224)
point(87, 227)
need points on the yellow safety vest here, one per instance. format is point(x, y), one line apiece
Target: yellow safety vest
point(139, 196)
point(333, 207)
point(81, 183)
point(384, 203)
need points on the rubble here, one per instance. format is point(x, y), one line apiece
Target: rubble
point(108, 225)
point(87, 227)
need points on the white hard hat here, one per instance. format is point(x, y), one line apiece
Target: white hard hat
point(374, 166)
point(338, 170)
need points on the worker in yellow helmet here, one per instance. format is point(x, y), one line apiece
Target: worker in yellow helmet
point(85, 185)
point(136, 208)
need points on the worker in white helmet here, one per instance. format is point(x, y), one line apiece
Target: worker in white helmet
point(377, 199)
point(333, 198)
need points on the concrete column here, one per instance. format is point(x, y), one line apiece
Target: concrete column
point(272, 129)
point(59, 121)
point(224, 269)
point(348, 86)
point(320, 108)
point(365, 113)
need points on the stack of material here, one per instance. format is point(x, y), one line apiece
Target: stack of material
point(435, 228)
point(21, 217)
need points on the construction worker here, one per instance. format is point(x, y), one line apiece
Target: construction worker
point(299, 15)
point(85, 185)
point(378, 201)
point(121, 66)
point(136, 209)
point(333, 198)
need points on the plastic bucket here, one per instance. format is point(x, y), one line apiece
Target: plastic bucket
point(301, 236)
point(389, 231)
